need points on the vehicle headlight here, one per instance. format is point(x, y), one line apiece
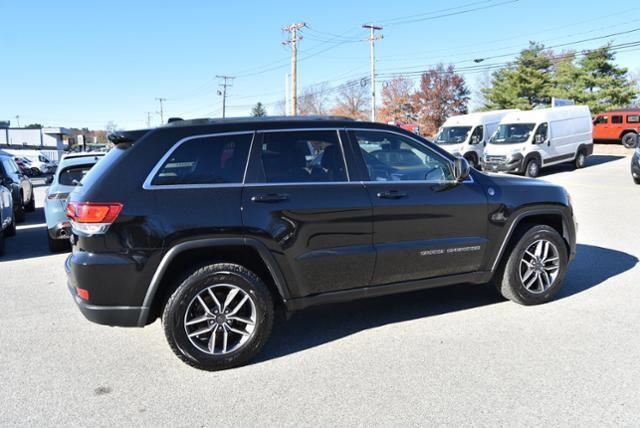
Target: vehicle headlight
point(456, 154)
point(514, 157)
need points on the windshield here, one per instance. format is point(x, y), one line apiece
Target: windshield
point(512, 133)
point(452, 134)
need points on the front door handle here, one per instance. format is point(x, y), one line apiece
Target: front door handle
point(392, 194)
point(270, 197)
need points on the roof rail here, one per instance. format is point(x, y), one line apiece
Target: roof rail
point(242, 119)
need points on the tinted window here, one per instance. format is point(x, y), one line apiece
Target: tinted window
point(633, 118)
point(601, 120)
point(301, 157)
point(207, 160)
point(392, 157)
point(73, 175)
point(616, 119)
point(11, 169)
point(542, 131)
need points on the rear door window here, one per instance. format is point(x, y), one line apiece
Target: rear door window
point(616, 119)
point(302, 157)
point(206, 160)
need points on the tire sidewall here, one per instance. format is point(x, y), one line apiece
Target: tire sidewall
point(536, 172)
point(628, 140)
point(534, 234)
point(173, 318)
point(580, 159)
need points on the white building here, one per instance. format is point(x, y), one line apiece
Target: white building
point(50, 140)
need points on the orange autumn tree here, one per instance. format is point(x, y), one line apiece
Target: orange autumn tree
point(397, 104)
point(441, 93)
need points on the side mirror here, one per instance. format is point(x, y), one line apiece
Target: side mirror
point(461, 169)
point(48, 180)
point(538, 139)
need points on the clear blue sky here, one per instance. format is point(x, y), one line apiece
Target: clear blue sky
point(84, 63)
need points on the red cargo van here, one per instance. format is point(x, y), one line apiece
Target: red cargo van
point(617, 125)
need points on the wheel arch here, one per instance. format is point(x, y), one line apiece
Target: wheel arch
point(553, 217)
point(627, 131)
point(248, 252)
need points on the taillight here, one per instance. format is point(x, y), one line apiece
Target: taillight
point(90, 218)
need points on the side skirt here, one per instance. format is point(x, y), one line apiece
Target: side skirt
point(387, 289)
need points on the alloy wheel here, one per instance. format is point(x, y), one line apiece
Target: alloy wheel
point(539, 266)
point(220, 319)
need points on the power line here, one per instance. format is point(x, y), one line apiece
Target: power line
point(410, 19)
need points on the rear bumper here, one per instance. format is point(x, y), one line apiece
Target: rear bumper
point(112, 315)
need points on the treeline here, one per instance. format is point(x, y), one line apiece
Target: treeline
point(588, 77)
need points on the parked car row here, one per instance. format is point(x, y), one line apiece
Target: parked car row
point(16, 193)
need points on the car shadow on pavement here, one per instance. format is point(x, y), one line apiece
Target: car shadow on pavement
point(319, 325)
point(30, 240)
point(592, 160)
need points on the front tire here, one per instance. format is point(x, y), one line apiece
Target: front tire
point(18, 213)
point(532, 168)
point(11, 230)
point(629, 140)
point(535, 269)
point(219, 317)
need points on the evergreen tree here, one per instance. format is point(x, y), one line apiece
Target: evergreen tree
point(523, 84)
point(258, 110)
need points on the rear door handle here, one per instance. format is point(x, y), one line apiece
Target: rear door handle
point(392, 194)
point(270, 197)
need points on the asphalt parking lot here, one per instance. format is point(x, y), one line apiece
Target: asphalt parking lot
point(459, 355)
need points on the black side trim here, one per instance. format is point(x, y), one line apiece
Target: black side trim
point(383, 290)
point(559, 158)
point(267, 258)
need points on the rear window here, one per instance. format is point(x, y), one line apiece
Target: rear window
point(206, 160)
point(72, 175)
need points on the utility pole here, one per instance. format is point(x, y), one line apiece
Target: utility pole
point(226, 83)
point(18, 120)
point(161, 101)
point(372, 40)
point(293, 29)
point(148, 119)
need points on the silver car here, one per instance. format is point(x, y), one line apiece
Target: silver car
point(70, 171)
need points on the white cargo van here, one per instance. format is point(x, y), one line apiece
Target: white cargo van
point(466, 135)
point(526, 141)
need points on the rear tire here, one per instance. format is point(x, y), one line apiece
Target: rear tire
point(31, 206)
point(532, 168)
point(18, 214)
point(629, 140)
point(11, 230)
point(224, 342)
point(581, 159)
point(516, 283)
point(1, 243)
point(58, 245)
point(636, 180)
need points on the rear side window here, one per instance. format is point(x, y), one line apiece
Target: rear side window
point(73, 175)
point(302, 157)
point(616, 119)
point(633, 118)
point(206, 160)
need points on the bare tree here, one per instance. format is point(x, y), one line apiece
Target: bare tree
point(313, 101)
point(352, 101)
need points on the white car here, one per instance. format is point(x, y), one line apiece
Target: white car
point(7, 220)
point(68, 175)
point(466, 135)
point(527, 141)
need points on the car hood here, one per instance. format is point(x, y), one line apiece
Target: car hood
point(502, 149)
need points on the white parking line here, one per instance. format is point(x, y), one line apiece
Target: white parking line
point(31, 226)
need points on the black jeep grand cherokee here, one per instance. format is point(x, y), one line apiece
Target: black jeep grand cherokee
point(211, 224)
